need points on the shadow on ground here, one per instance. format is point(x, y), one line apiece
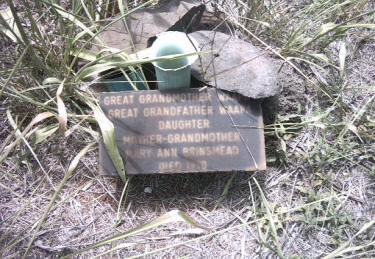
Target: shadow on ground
point(189, 191)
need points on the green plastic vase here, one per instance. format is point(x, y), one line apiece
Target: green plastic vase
point(175, 73)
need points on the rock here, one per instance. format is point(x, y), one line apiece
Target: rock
point(187, 23)
point(148, 190)
point(234, 65)
point(146, 23)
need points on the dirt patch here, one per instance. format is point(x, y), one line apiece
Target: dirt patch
point(318, 188)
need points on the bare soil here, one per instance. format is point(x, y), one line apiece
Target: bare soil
point(87, 208)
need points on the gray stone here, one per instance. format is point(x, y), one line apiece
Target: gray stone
point(144, 24)
point(234, 65)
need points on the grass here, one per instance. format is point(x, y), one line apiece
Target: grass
point(316, 198)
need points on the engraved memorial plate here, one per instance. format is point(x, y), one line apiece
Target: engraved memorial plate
point(184, 131)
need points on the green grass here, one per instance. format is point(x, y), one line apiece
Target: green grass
point(320, 143)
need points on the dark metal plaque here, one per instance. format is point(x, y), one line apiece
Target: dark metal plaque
point(184, 131)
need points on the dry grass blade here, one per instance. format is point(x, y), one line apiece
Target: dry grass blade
point(356, 248)
point(297, 208)
point(103, 29)
point(342, 57)
point(85, 54)
point(75, 21)
point(271, 220)
point(20, 210)
point(9, 27)
point(35, 29)
point(21, 235)
point(10, 136)
point(69, 172)
point(283, 58)
point(121, 6)
point(42, 134)
point(167, 218)
point(87, 11)
point(80, 35)
point(63, 117)
point(18, 133)
point(329, 27)
point(11, 191)
point(359, 25)
point(325, 28)
point(108, 133)
point(355, 117)
point(341, 249)
point(97, 68)
point(19, 60)
point(24, 38)
point(319, 46)
point(123, 198)
point(225, 191)
point(51, 80)
point(17, 22)
point(40, 117)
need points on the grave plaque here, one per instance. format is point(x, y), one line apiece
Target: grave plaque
point(183, 131)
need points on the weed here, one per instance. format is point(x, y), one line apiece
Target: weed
point(323, 166)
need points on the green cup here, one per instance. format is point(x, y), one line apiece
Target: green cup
point(175, 73)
